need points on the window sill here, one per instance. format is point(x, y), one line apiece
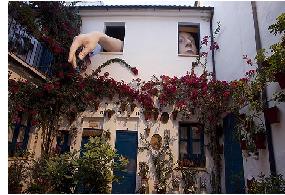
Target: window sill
point(204, 169)
point(14, 158)
point(111, 53)
point(186, 55)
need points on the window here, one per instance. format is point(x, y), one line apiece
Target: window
point(116, 30)
point(188, 39)
point(63, 142)
point(19, 137)
point(87, 133)
point(191, 145)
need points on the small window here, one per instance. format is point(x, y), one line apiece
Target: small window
point(191, 145)
point(188, 39)
point(115, 30)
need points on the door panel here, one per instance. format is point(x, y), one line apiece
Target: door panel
point(234, 176)
point(126, 145)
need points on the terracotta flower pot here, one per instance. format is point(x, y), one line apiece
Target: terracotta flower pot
point(147, 115)
point(221, 149)
point(164, 117)
point(155, 115)
point(243, 145)
point(259, 140)
point(147, 131)
point(174, 114)
point(280, 78)
point(272, 115)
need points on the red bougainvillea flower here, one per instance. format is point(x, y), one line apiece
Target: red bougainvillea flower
point(34, 122)
point(135, 70)
point(48, 87)
point(60, 74)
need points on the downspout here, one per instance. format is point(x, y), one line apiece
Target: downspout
point(258, 46)
point(212, 41)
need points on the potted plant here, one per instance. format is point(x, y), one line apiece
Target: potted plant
point(133, 106)
point(243, 144)
point(147, 114)
point(164, 117)
point(147, 131)
point(259, 140)
point(109, 113)
point(123, 106)
point(143, 170)
point(272, 115)
point(155, 113)
point(174, 114)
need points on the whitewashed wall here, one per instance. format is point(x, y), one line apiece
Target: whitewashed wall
point(235, 40)
point(151, 45)
point(150, 41)
point(267, 12)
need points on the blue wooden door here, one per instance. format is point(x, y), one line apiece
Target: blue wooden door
point(126, 145)
point(234, 176)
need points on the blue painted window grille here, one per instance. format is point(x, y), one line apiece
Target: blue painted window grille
point(191, 144)
point(21, 133)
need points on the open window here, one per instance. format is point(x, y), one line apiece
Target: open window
point(115, 30)
point(188, 39)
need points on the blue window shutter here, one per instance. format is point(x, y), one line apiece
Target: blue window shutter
point(14, 139)
point(26, 135)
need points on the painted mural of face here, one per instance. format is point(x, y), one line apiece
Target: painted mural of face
point(187, 44)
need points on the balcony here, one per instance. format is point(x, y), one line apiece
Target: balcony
point(28, 49)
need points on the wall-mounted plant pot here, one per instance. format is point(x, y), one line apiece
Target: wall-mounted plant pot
point(174, 114)
point(155, 114)
point(164, 117)
point(221, 149)
point(243, 144)
point(133, 106)
point(272, 115)
point(219, 131)
point(280, 78)
point(123, 107)
point(109, 113)
point(259, 140)
point(147, 115)
point(147, 131)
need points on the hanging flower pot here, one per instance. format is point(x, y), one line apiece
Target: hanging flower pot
point(96, 105)
point(259, 140)
point(221, 149)
point(280, 78)
point(147, 131)
point(174, 114)
point(133, 106)
point(147, 115)
point(123, 106)
point(155, 114)
point(272, 115)
point(243, 144)
point(219, 131)
point(109, 113)
point(164, 117)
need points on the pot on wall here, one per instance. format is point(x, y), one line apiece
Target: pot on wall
point(280, 78)
point(259, 140)
point(164, 117)
point(272, 115)
point(243, 144)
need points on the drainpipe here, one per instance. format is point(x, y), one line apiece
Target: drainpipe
point(212, 41)
point(272, 162)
